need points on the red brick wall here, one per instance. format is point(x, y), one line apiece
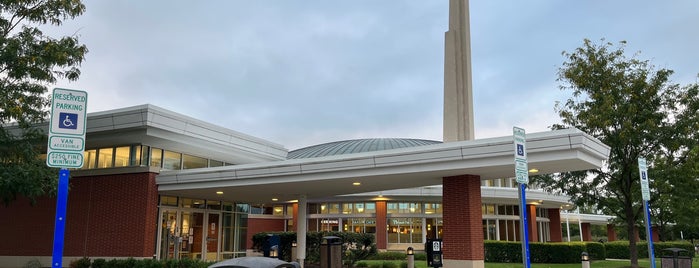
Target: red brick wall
point(111, 215)
point(556, 233)
point(463, 225)
point(256, 226)
point(381, 223)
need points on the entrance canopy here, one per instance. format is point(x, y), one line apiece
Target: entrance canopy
point(548, 152)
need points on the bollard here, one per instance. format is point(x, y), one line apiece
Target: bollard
point(585, 258)
point(411, 257)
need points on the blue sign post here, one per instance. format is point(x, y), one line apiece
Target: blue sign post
point(522, 177)
point(66, 145)
point(60, 226)
point(645, 192)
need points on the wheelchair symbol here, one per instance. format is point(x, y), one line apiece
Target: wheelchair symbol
point(68, 120)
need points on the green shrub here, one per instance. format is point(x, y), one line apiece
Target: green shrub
point(389, 255)
point(511, 252)
point(83, 262)
point(99, 263)
point(375, 265)
point(361, 264)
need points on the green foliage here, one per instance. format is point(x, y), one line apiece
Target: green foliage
point(511, 252)
point(84, 262)
point(632, 107)
point(147, 263)
point(620, 249)
point(389, 255)
point(29, 62)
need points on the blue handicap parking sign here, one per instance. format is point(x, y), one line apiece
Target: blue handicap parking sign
point(68, 120)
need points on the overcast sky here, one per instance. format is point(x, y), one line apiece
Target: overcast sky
point(300, 73)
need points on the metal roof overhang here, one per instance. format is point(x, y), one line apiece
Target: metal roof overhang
point(549, 152)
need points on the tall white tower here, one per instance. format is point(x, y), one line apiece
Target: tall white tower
point(458, 91)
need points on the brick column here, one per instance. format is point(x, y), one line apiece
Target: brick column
point(531, 224)
point(656, 233)
point(463, 225)
point(586, 231)
point(611, 233)
point(295, 217)
point(555, 231)
point(381, 225)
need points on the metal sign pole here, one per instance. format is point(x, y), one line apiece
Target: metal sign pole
point(649, 234)
point(60, 226)
point(523, 225)
point(522, 176)
point(645, 193)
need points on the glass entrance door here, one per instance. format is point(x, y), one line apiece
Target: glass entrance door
point(168, 235)
point(213, 226)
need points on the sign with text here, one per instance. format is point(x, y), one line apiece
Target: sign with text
point(521, 166)
point(67, 128)
point(643, 172)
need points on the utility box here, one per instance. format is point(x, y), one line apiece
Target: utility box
point(331, 252)
point(433, 248)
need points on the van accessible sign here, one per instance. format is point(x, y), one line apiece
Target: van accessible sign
point(67, 128)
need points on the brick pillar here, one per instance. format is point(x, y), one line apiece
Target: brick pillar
point(611, 233)
point(381, 223)
point(463, 225)
point(555, 231)
point(295, 218)
point(531, 224)
point(586, 231)
point(656, 233)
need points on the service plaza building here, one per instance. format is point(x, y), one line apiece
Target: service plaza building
point(159, 184)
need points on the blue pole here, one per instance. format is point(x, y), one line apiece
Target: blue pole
point(60, 226)
point(525, 230)
point(649, 231)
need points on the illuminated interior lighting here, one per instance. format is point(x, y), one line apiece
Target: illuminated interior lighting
point(533, 170)
point(356, 183)
point(219, 192)
point(275, 199)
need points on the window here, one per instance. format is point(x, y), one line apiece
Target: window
point(172, 160)
point(401, 208)
point(156, 157)
point(105, 157)
point(190, 161)
point(214, 163)
point(433, 208)
point(90, 159)
point(121, 156)
point(404, 230)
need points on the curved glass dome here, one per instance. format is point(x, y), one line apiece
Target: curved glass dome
point(356, 146)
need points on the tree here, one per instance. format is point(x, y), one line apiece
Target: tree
point(633, 108)
point(29, 62)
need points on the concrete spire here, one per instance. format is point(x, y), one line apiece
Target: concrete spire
point(458, 91)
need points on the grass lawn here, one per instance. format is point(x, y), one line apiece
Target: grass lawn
point(594, 264)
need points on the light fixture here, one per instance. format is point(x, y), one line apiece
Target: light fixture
point(219, 192)
point(356, 183)
point(533, 170)
point(584, 256)
point(275, 199)
point(410, 251)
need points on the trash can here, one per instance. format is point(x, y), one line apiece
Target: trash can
point(331, 252)
point(676, 258)
point(270, 248)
